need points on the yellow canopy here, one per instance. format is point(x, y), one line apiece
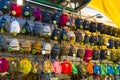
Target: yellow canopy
point(111, 8)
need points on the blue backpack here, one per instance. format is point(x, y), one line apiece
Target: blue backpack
point(56, 34)
point(97, 70)
point(119, 68)
point(27, 11)
point(78, 23)
point(26, 28)
point(93, 27)
point(111, 43)
point(46, 17)
point(56, 17)
point(86, 25)
point(64, 34)
point(110, 69)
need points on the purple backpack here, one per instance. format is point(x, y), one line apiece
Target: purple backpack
point(37, 13)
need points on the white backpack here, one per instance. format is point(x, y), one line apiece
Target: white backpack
point(71, 36)
point(15, 27)
point(14, 45)
point(46, 30)
point(46, 48)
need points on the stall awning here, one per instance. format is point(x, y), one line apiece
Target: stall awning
point(108, 7)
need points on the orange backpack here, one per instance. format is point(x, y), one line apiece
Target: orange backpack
point(90, 68)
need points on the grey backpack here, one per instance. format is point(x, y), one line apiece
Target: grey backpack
point(3, 43)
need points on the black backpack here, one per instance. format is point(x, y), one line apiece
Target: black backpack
point(27, 11)
point(64, 34)
point(55, 51)
point(80, 53)
point(79, 37)
point(100, 40)
point(3, 43)
point(5, 8)
point(46, 17)
point(56, 34)
point(79, 23)
point(111, 43)
point(72, 51)
point(86, 25)
point(93, 40)
point(3, 25)
point(100, 27)
point(26, 28)
point(117, 44)
point(86, 39)
point(37, 29)
point(95, 55)
point(103, 54)
point(56, 17)
point(93, 27)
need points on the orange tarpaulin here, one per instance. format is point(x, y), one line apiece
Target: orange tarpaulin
point(111, 8)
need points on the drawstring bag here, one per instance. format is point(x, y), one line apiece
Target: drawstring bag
point(74, 68)
point(97, 70)
point(57, 67)
point(90, 68)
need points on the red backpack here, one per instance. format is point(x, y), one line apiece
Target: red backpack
point(16, 10)
point(3, 65)
point(66, 67)
point(64, 19)
point(88, 55)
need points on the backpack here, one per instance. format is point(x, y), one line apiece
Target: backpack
point(36, 47)
point(15, 27)
point(14, 45)
point(46, 48)
point(66, 67)
point(72, 51)
point(47, 66)
point(79, 23)
point(88, 54)
point(103, 69)
point(56, 33)
point(46, 31)
point(64, 34)
point(80, 53)
point(93, 27)
point(4, 65)
point(114, 55)
point(56, 17)
point(79, 37)
point(100, 26)
point(16, 10)
point(25, 66)
point(55, 51)
point(90, 68)
point(95, 55)
point(3, 43)
point(86, 39)
point(100, 40)
point(86, 25)
point(97, 70)
point(6, 6)
point(71, 36)
point(117, 44)
point(2, 2)
point(3, 25)
point(72, 23)
point(37, 13)
point(65, 50)
point(111, 43)
point(82, 68)
point(26, 46)
point(74, 68)
point(116, 70)
point(103, 54)
point(26, 28)
point(37, 29)
point(14, 65)
point(46, 17)
point(27, 11)
point(110, 69)
point(93, 40)
point(63, 19)
point(57, 67)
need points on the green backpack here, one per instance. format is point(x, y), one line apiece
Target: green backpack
point(103, 69)
point(116, 71)
point(74, 68)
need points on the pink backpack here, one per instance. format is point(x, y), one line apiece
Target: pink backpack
point(64, 19)
point(37, 13)
point(57, 67)
point(3, 65)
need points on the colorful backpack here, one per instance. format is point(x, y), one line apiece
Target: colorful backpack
point(47, 66)
point(16, 10)
point(55, 51)
point(37, 29)
point(36, 47)
point(71, 36)
point(46, 17)
point(79, 23)
point(86, 25)
point(3, 25)
point(27, 11)
point(25, 66)
point(88, 55)
point(64, 19)
point(15, 27)
point(110, 69)
point(3, 43)
point(4, 65)
point(57, 67)
point(103, 69)
point(97, 70)
point(26, 28)
point(26, 46)
point(14, 45)
point(93, 27)
point(82, 68)
point(37, 13)
point(66, 67)
point(64, 34)
point(56, 17)
point(56, 34)
point(46, 49)
point(74, 68)
point(46, 30)
point(90, 68)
